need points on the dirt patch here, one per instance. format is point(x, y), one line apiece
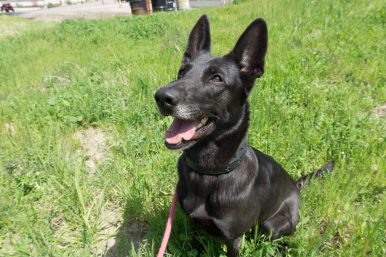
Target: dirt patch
point(10, 128)
point(93, 142)
point(63, 233)
point(380, 111)
point(315, 33)
point(116, 232)
point(115, 236)
point(7, 244)
point(109, 221)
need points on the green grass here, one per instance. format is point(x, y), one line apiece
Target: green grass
point(325, 73)
point(11, 26)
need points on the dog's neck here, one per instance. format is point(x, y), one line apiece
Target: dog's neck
point(219, 150)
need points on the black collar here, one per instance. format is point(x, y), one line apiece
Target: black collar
point(233, 163)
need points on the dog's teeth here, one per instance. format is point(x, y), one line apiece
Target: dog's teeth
point(202, 123)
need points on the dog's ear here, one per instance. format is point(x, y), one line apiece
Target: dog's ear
point(249, 52)
point(199, 40)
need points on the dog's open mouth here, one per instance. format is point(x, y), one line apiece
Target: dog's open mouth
point(182, 131)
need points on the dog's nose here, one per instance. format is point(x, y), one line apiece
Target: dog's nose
point(166, 97)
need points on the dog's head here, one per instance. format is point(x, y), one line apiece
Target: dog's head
point(210, 92)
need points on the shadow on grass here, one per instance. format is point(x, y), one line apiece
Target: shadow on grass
point(133, 233)
point(136, 237)
point(130, 233)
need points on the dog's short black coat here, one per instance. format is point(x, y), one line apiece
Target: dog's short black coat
point(259, 191)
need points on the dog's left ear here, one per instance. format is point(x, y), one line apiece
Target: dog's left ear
point(249, 52)
point(199, 40)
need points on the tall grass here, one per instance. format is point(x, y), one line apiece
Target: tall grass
point(325, 73)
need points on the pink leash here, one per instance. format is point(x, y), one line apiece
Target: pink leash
point(168, 228)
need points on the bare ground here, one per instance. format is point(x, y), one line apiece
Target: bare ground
point(116, 234)
point(380, 111)
point(93, 142)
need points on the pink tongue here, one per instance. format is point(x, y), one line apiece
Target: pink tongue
point(180, 129)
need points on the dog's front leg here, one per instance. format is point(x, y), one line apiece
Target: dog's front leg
point(195, 243)
point(233, 247)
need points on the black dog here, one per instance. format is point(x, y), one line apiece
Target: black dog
point(225, 186)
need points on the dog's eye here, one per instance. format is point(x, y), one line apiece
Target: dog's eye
point(216, 79)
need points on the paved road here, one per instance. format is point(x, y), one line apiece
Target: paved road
point(94, 10)
point(207, 3)
point(87, 11)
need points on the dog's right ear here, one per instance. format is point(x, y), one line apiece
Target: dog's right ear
point(199, 40)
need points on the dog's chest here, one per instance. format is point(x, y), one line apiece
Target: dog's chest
point(200, 211)
point(215, 203)
point(201, 202)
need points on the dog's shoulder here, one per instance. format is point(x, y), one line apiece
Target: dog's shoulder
point(267, 163)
